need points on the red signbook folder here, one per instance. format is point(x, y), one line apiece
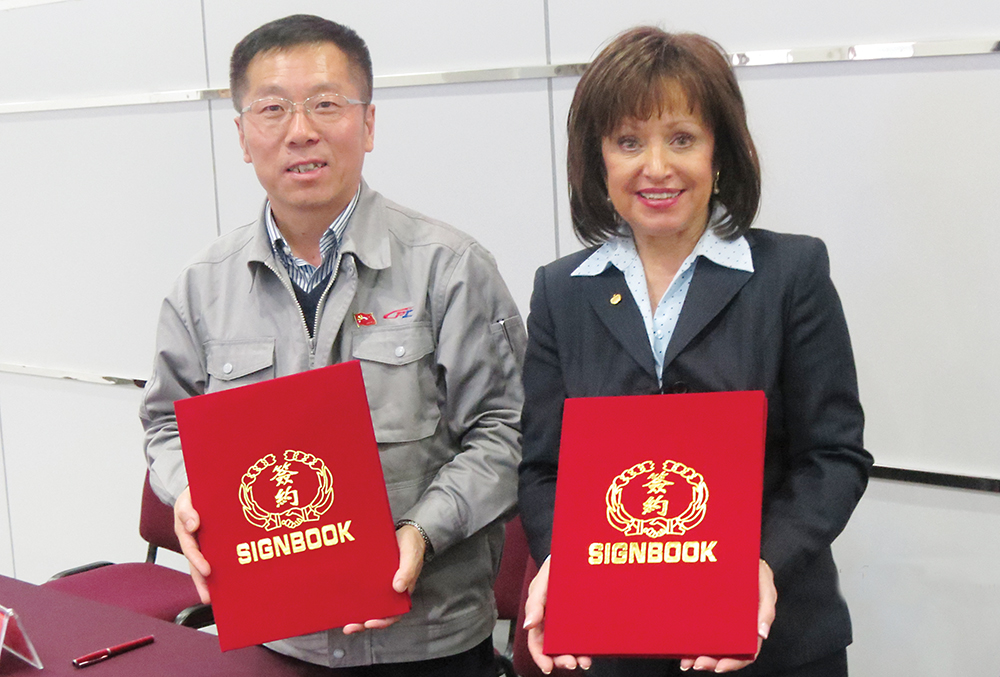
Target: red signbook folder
point(656, 535)
point(295, 520)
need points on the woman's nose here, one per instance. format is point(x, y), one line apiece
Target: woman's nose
point(657, 164)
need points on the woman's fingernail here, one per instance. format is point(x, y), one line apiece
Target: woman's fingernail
point(763, 630)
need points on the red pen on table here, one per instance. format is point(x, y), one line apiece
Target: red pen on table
point(104, 654)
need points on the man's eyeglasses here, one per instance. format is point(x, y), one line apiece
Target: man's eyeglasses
point(275, 112)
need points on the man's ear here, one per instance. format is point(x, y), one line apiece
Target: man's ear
point(243, 142)
point(370, 128)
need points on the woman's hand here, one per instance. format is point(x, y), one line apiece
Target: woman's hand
point(765, 617)
point(534, 623)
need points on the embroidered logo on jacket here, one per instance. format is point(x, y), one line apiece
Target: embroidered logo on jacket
point(398, 314)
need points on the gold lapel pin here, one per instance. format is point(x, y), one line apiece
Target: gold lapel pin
point(616, 299)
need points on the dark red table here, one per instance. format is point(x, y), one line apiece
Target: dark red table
point(63, 627)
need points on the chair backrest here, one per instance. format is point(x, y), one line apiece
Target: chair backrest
point(156, 522)
point(507, 588)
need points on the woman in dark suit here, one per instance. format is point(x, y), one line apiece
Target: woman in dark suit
point(677, 294)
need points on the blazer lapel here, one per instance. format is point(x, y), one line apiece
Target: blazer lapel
point(712, 287)
point(621, 317)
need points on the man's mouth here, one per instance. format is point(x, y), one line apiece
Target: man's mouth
point(308, 167)
point(659, 194)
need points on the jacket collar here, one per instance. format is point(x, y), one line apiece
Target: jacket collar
point(366, 235)
point(712, 288)
point(260, 250)
point(613, 303)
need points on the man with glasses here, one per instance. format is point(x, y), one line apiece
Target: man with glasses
point(332, 271)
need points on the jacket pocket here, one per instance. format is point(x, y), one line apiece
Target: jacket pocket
point(398, 366)
point(238, 362)
point(510, 339)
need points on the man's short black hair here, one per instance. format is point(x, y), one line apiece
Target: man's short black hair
point(293, 31)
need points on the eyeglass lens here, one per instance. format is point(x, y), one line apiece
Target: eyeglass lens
point(275, 110)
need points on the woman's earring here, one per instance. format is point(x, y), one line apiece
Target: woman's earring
point(715, 184)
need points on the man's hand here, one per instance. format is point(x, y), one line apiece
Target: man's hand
point(768, 596)
point(411, 562)
point(186, 524)
point(534, 623)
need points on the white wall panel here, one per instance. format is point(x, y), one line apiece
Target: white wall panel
point(562, 97)
point(103, 207)
point(74, 473)
point(476, 156)
point(240, 195)
point(94, 48)
point(918, 568)
point(880, 161)
point(6, 551)
point(580, 27)
point(403, 37)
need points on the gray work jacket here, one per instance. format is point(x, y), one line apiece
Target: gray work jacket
point(443, 384)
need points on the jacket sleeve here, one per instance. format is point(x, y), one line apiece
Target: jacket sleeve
point(480, 349)
point(827, 465)
point(178, 373)
point(544, 393)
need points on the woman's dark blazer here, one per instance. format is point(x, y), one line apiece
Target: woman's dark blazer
point(780, 329)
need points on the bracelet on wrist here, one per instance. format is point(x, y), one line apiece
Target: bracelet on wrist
point(428, 548)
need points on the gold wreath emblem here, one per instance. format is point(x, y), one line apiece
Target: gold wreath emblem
point(295, 516)
point(657, 526)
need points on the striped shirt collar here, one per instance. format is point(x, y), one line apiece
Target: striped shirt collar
point(303, 274)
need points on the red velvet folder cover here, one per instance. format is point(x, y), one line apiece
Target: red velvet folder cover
point(656, 535)
point(295, 520)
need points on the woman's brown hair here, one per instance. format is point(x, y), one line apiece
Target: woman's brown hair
point(637, 76)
